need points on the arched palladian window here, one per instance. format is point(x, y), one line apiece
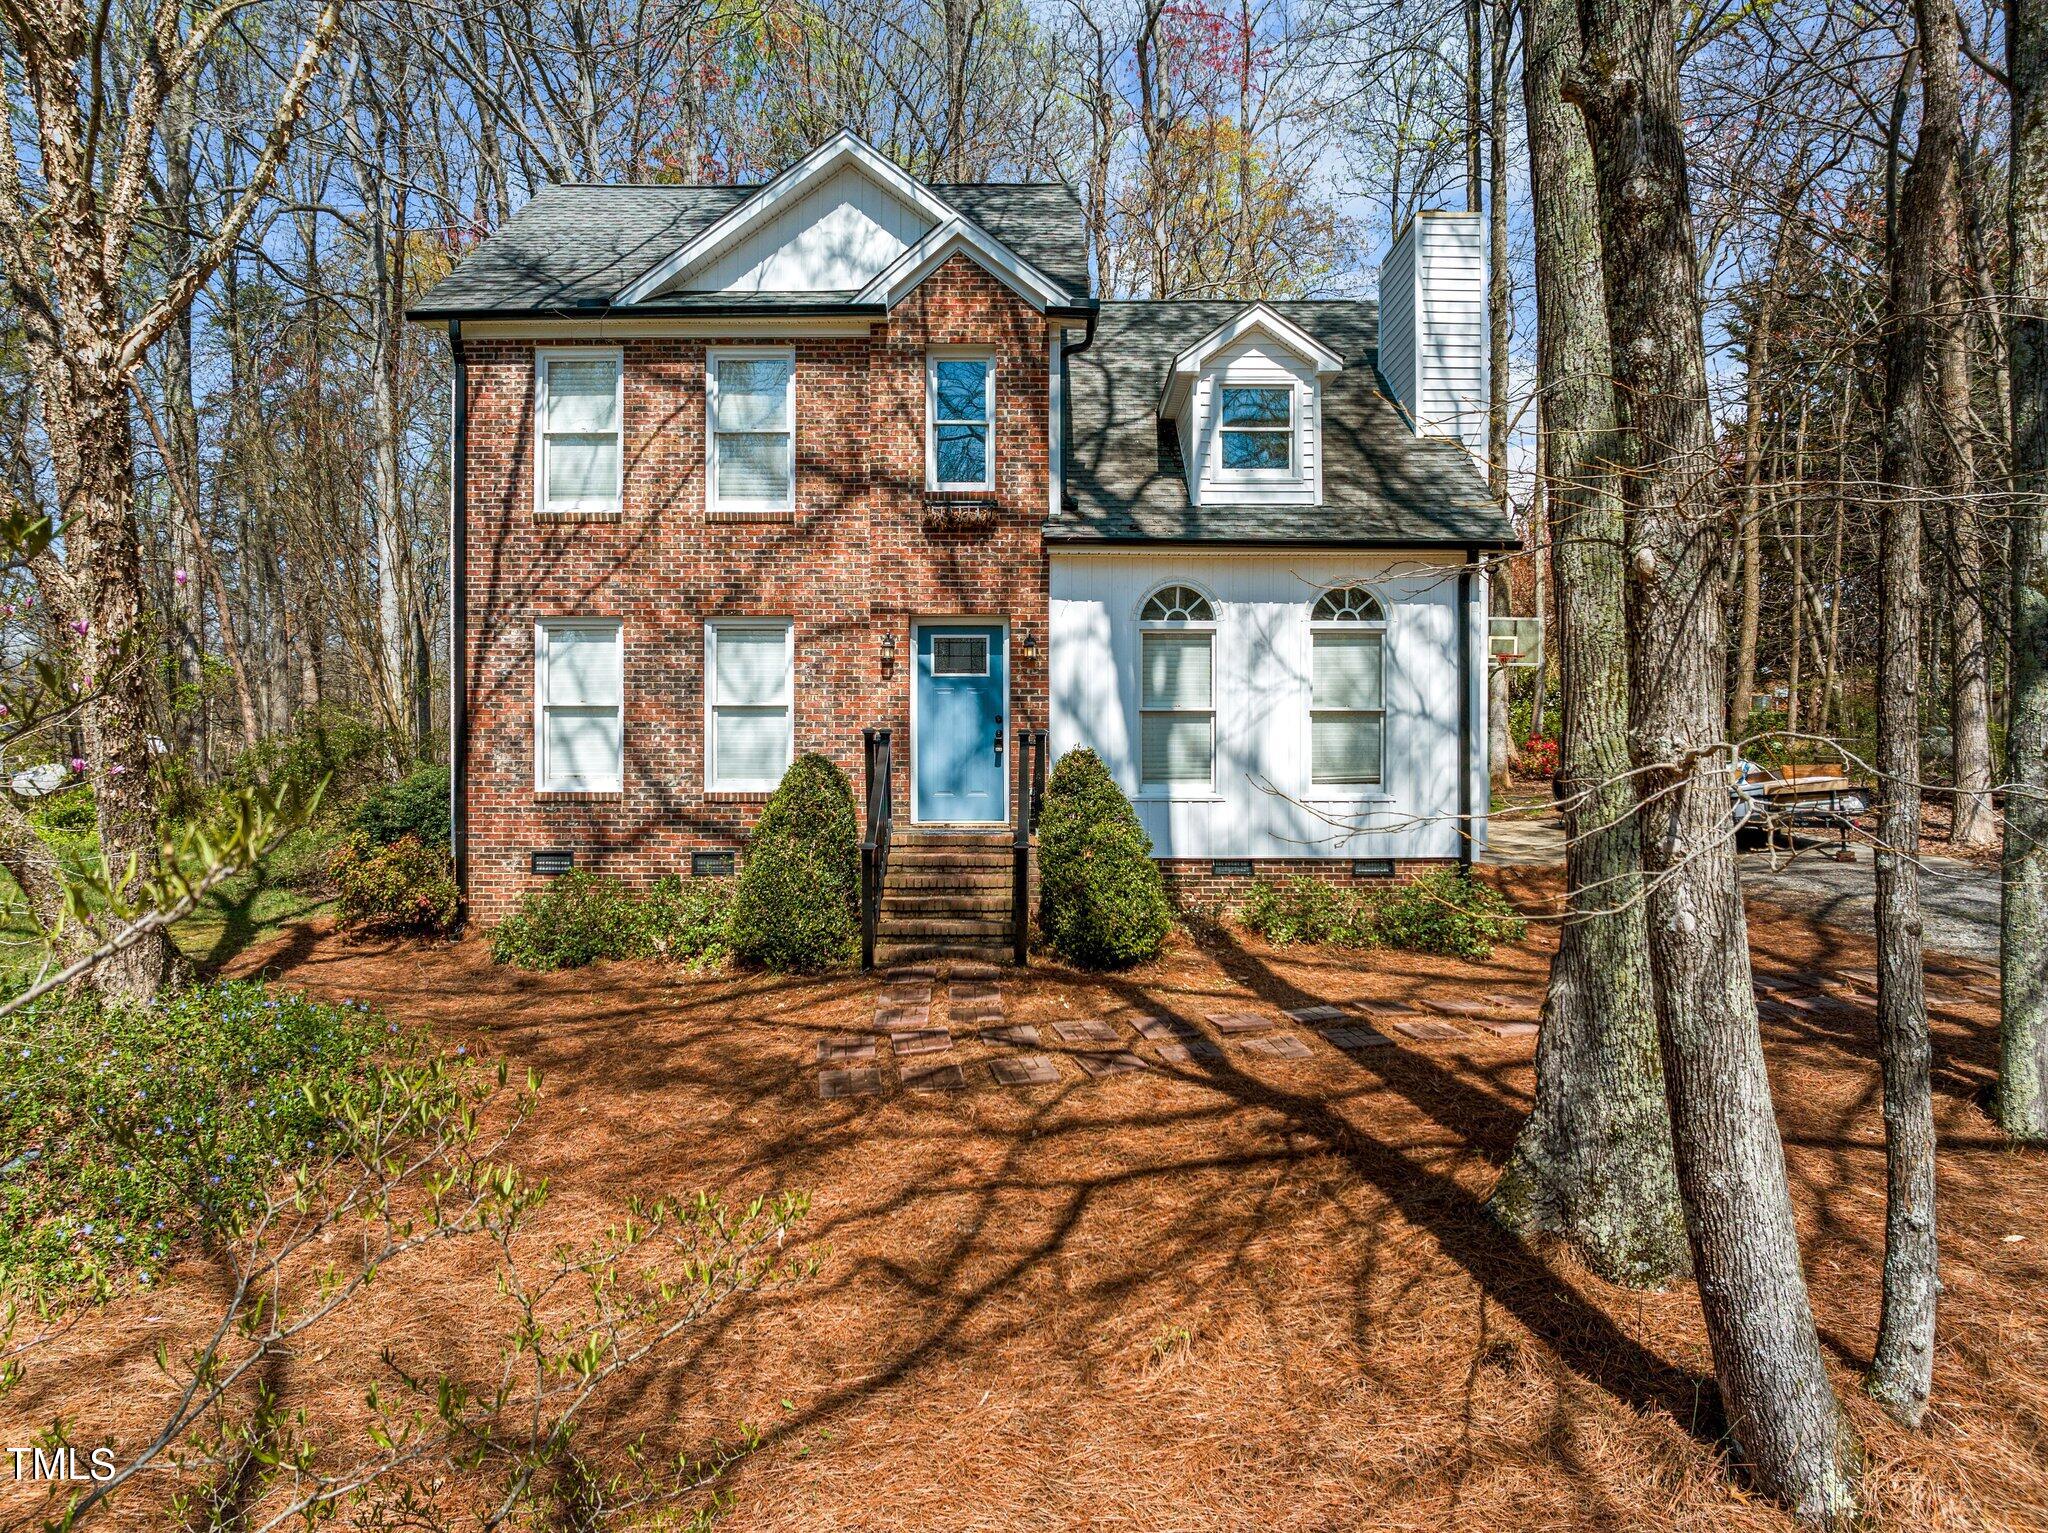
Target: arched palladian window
point(1347, 713)
point(1176, 690)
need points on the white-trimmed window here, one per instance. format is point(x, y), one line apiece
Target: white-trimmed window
point(1257, 430)
point(579, 453)
point(1347, 714)
point(1176, 690)
point(579, 713)
point(960, 422)
point(750, 666)
point(750, 428)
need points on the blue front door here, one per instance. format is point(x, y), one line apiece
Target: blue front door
point(961, 686)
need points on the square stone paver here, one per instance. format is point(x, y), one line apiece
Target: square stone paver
point(1163, 1029)
point(1093, 1030)
point(1116, 1062)
point(935, 1075)
point(914, 974)
point(1390, 1009)
point(1356, 1038)
point(1024, 1070)
point(845, 1051)
point(1317, 1014)
point(1279, 1046)
point(1509, 1027)
point(1186, 1053)
point(1020, 1034)
point(1462, 1006)
point(897, 1019)
point(974, 1002)
point(1227, 1022)
point(923, 1040)
point(1430, 1032)
point(849, 1083)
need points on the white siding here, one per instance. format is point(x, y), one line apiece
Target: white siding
point(1258, 360)
point(835, 238)
point(1433, 325)
point(1263, 804)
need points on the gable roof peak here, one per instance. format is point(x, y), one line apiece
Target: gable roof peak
point(1255, 317)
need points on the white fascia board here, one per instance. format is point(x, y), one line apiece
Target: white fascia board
point(954, 236)
point(1180, 378)
point(843, 148)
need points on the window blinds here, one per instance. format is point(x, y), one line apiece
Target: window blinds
point(582, 432)
point(753, 430)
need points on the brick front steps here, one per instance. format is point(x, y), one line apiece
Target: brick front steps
point(947, 895)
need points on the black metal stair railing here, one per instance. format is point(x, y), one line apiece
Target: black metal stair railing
point(874, 842)
point(1030, 800)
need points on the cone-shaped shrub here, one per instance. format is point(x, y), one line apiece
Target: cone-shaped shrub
point(1101, 903)
point(795, 908)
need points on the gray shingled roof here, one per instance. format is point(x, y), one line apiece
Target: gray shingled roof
point(578, 246)
point(1381, 483)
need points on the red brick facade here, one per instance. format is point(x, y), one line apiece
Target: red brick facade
point(865, 552)
point(1192, 883)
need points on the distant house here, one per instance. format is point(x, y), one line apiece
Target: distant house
point(743, 472)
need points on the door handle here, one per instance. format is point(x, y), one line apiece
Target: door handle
point(999, 737)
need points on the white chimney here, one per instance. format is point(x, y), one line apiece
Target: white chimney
point(1433, 325)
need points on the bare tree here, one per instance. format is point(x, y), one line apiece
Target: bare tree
point(1730, 1160)
point(67, 256)
point(2023, 947)
point(1593, 1163)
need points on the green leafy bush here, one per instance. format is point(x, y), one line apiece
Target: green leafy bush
point(583, 918)
point(127, 1129)
point(795, 909)
point(404, 887)
point(416, 805)
point(1101, 902)
point(1444, 912)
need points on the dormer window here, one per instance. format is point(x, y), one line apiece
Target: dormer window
point(1258, 430)
point(1246, 402)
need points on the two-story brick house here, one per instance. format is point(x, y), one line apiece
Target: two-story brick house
point(742, 472)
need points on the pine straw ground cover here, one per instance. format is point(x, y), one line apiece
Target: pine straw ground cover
point(1245, 1292)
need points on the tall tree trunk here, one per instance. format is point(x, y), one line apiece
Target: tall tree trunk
point(1475, 64)
point(2023, 945)
point(1831, 673)
point(1924, 246)
point(1593, 1163)
point(1953, 460)
point(1731, 1161)
point(1792, 677)
point(1501, 736)
point(1757, 368)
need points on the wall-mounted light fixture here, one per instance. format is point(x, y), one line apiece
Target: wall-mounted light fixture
point(888, 650)
point(1031, 647)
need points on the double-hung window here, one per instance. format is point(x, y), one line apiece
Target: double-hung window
point(1257, 429)
point(579, 694)
point(750, 669)
point(960, 409)
point(577, 396)
point(1347, 714)
point(1176, 691)
point(750, 395)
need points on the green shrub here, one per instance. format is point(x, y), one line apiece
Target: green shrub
point(687, 918)
point(583, 918)
point(1444, 912)
point(416, 805)
point(1447, 912)
point(1311, 910)
point(1101, 903)
point(403, 887)
point(795, 909)
point(129, 1129)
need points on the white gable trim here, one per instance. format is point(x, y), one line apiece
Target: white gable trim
point(843, 148)
point(1180, 377)
point(957, 236)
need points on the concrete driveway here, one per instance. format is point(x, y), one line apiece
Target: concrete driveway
point(1958, 899)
